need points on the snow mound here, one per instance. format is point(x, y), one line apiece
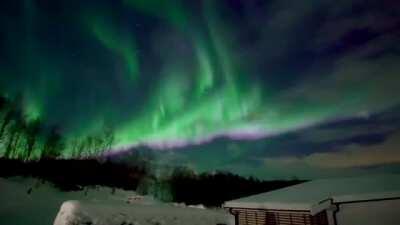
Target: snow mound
point(71, 213)
point(121, 213)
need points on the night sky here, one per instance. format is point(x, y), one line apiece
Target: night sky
point(270, 88)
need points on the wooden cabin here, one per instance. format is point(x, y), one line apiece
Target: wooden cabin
point(372, 200)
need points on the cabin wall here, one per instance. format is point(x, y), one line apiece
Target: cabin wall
point(385, 212)
point(277, 217)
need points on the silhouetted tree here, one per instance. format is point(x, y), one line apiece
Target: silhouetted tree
point(3, 102)
point(107, 139)
point(74, 145)
point(11, 136)
point(6, 120)
point(32, 134)
point(15, 130)
point(53, 145)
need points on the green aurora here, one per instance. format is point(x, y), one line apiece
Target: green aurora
point(169, 74)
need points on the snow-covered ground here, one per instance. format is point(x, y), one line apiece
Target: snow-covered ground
point(46, 205)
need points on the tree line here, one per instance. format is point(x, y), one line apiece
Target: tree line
point(182, 185)
point(211, 189)
point(31, 139)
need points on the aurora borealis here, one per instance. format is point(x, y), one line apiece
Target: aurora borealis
point(224, 84)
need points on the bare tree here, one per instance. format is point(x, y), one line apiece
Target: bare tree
point(6, 120)
point(53, 145)
point(32, 133)
point(107, 140)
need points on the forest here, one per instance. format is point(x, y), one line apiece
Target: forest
point(26, 138)
point(182, 185)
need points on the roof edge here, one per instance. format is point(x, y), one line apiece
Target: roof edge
point(377, 196)
point(269, 205)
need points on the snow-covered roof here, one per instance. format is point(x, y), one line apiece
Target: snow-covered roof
point(318, 195)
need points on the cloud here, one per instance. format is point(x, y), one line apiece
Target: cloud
point(351, 156)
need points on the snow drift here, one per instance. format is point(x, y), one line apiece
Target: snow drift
point(120, 213)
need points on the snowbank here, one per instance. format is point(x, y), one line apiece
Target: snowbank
point(120, 213)
point(104, 206)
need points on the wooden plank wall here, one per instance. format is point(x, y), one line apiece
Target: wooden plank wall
point(274, 217)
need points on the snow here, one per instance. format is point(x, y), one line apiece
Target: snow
point(311, 195)
point(70, 212)
point(115, 213)
point(46, 205)
point(370, 213)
